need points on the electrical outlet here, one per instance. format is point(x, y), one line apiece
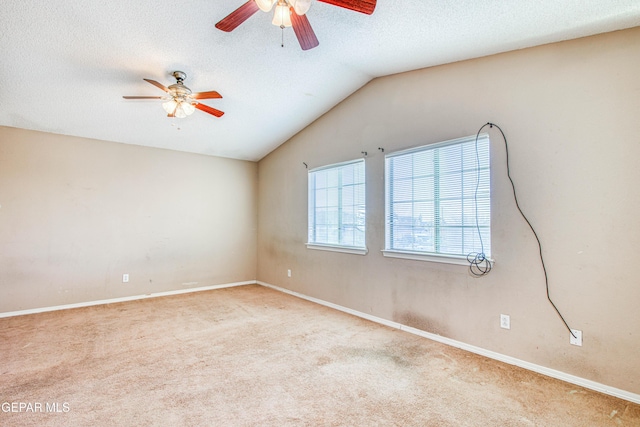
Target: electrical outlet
point(505, 321)
point(125, 278)
point(289, 273)
point(577, 340)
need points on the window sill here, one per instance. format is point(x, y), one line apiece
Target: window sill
point(333, 248)
point(418, 256)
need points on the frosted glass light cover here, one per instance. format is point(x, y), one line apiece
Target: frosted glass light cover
point(188, 108)
point(282, 17)
point(180, 111)
point(265, 5)
point(169, 106)
point(300, 6)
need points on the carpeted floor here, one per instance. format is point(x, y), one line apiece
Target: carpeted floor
point(252, 356)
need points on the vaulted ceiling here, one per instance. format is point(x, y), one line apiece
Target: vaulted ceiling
point(66, 64)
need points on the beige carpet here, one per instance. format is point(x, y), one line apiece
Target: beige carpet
point(251, 356)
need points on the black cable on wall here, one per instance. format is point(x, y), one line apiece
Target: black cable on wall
point(479, 265)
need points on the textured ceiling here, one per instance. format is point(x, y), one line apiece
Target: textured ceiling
point(65, 64)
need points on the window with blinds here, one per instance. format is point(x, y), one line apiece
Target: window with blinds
point(438, 199)
point(337, 207)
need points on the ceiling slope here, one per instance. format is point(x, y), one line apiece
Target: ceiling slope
point(65, 65)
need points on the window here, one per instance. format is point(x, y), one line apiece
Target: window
point(438, 201)
point(337, 208)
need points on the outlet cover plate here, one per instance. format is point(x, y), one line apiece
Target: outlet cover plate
point(578, 338)
point(505, 321)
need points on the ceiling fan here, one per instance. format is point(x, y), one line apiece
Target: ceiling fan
point(180, 101)
point(291, 13)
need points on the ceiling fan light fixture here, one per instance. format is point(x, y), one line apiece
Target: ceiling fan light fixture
point(300, 6)
point(180, 113)
point(265, 5)
point(188, 108)
point(170, 106)
point(178, 108)
point(282, 16)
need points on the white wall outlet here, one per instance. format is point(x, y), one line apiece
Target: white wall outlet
point(125, 278)
point(505, 321)
point(289, 273)
point(577, 340)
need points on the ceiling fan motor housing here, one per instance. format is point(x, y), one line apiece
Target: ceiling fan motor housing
point(179, 89)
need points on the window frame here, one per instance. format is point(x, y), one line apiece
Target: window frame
point(388, 251)
point(357, 250)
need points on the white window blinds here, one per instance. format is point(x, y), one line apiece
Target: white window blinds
point(337, 205)
point(438, 198)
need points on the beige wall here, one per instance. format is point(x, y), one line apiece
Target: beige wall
point(571, 112)
point(75, 214)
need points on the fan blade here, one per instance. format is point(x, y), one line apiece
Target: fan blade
point(209, 110)
point(156, 84)
point(238, 16)
point(303, 30)
point(206, 95)
point(362, 6)
point(142, 97)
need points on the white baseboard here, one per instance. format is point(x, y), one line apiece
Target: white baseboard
point(123, 299)
point(592, 385)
